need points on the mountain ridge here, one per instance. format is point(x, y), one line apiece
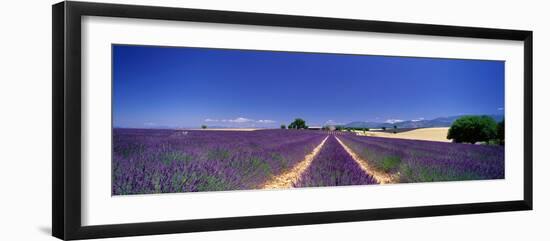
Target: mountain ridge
point(436, 122)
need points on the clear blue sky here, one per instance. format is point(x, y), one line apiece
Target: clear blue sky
point(156, 87)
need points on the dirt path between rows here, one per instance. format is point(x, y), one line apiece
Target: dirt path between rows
point(286, 179)
point(380, 177)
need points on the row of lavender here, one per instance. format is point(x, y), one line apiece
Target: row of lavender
point(333, 166)
point(428, 161)
point(161, 161)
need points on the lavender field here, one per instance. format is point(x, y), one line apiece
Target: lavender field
point(333, 167)
point(429, 161)
point(166, 161)
point(160, 161)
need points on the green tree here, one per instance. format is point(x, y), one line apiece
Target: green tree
point(283, 126)
point(298, 123)
point(203, 126)
point(500, 132)
point(472, 129)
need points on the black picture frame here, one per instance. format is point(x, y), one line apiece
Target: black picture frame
point(66, 158)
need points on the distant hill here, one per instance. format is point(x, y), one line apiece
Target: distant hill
point(437, 122)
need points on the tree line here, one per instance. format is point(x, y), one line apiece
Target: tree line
point(473, 129)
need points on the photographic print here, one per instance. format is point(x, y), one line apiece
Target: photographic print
point(204, 119)
point(159, 114)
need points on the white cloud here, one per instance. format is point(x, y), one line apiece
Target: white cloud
point(392, 121)
point(500, 108)
point(418, 119)
point(332, 122)
point(240, 120)
point(266, 121)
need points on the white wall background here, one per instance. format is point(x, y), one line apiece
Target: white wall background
point(25, 119)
